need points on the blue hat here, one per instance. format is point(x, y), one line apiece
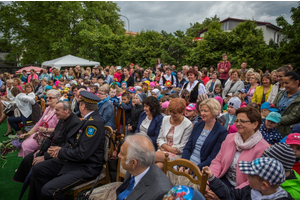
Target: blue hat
point(296, 128)
point(267, 168)
point(184, 192)
point(48, 87)
point(271, 107)
point(242, 90)
point(119, 67)
point(132, 90)
point(89, 97)
point(274, 117)
point(171, 92)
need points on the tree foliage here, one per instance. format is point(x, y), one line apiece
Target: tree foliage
point(197, 27)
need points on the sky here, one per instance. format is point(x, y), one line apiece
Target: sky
point(177, 15)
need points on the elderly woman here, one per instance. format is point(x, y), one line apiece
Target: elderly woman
point(106, 108)
point(261, 93)
point(43, 128)
point(233, 86)
point(288, 103)
point(247, 145)
point(194, 87)
point(174, 132)
point(150, 120)
point(199, 148)
point(210, 85)
point(278, 86)
point(246, 81)
point(249, 91)
point(24, 105)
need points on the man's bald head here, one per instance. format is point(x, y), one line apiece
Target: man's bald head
point(140, 148)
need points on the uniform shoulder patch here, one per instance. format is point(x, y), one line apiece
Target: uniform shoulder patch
point(90, 131)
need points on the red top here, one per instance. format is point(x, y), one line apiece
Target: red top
point(205, 79)
point(296, 167)
point(226, 66)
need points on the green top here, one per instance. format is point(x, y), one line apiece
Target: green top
point(292, 186)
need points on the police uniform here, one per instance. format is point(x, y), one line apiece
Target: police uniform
point(79, 161)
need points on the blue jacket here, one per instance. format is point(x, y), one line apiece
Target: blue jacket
point(227, 120)
point(106, 112)
point(23, 79)
point(154, 127)
point(211, 145)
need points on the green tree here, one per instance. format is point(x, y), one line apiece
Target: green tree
point(197, 27)
point(289, 51)
point(40, 31)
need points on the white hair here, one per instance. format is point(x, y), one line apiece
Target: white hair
point(55, 93)
point(139, 150)
point(185, 67)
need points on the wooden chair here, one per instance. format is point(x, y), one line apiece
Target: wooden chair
point(43, 105)
point(118, 112)
point(104, 175)
point(193, 172)
point(71, 99)
point(108, 191)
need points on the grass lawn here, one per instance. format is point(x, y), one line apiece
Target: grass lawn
point(9, 189)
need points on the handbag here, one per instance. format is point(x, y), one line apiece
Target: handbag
point(112, 161)
point(9, 108)
point(36, 113)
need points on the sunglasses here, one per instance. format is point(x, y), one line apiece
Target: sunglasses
point(50, 98)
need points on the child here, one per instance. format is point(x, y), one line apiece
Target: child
point(163, 99)
point(164, 108)
point(229, 96)
point(151, 87)
point(222, 120)
point(294, 141)
point(118, 74)
point(185, 94)
point(173, 96)
point(191, 114)
point(94, 89)
point(265, 176)
point(217, 91)
point(132, 92)
point(126, 105)
point(269, 129)
point(233, 104)
point(136, 110)
point(265, 109)
point(95, 81)
point(113, 95)
point(50, 83)
point(240, 96)
point(285, 154)
point(146, 86)
point(124, 86)
point(100, 82)
point(156, 94)
point(220, 100)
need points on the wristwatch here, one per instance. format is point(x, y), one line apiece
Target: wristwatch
point(46, 130)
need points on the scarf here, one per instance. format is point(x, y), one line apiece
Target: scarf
point(249, 143)
point(102, 102)
point(280, 193)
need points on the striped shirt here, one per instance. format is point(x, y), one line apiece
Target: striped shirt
point(196, 157)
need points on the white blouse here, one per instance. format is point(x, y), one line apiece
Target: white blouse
point(24, 103)
point(145, 125)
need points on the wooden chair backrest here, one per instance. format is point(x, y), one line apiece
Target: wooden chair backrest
point(43, 105)
point(118, 112)
point(36, 98)
point(108, 132)
point(192, 167)
point(71, 99)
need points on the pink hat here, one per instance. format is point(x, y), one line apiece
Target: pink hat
point(152, 84)
point(165, 104)
point(50, 70)
point(56, 83)
point(219, 99)
point(191, 106)
point(293, 138)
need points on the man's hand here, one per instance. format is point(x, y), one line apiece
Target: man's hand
point(34, 155)
point(53, 151)
point(210, 195)
point(38, 159)
point(129, 127)
point(206, 170)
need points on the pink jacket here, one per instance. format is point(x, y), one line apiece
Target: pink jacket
point(51, 120)
point(222, 161)
point(35, 76)
point(118, 76)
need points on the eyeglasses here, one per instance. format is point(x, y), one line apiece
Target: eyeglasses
point(240, 121)
point(50, 98)
point(252, 78)
point(100, 93)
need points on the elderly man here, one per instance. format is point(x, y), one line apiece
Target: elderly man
point(67, 120)
point(80, 160)
point(143, 180)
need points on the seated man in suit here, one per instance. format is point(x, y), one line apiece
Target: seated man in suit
point(143, 180)
point(79, 160)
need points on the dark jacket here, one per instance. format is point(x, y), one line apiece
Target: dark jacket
point(135, 114)
point(84, 146)
point(224, 192)
point(211, 145)
point(130, 81)
point(154, 127)
point(58, 136)
point(106, 112)
point(127, 107)
point(36, 88)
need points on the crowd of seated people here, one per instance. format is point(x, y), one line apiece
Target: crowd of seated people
point(237, 125)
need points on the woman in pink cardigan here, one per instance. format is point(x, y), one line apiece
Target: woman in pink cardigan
point(37, 133)
point(247, 144)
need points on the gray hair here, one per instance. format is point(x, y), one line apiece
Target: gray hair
point(185, 67)
point(66, 105)
point(55, 93)
point(139, 150)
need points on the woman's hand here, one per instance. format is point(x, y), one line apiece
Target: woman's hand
point(41, 129)
point(174, 150)
point(23, 135)
point(206, 170)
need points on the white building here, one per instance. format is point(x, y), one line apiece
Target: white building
point(270, 31)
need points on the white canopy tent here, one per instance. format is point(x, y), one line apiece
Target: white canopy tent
point(68, 61)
